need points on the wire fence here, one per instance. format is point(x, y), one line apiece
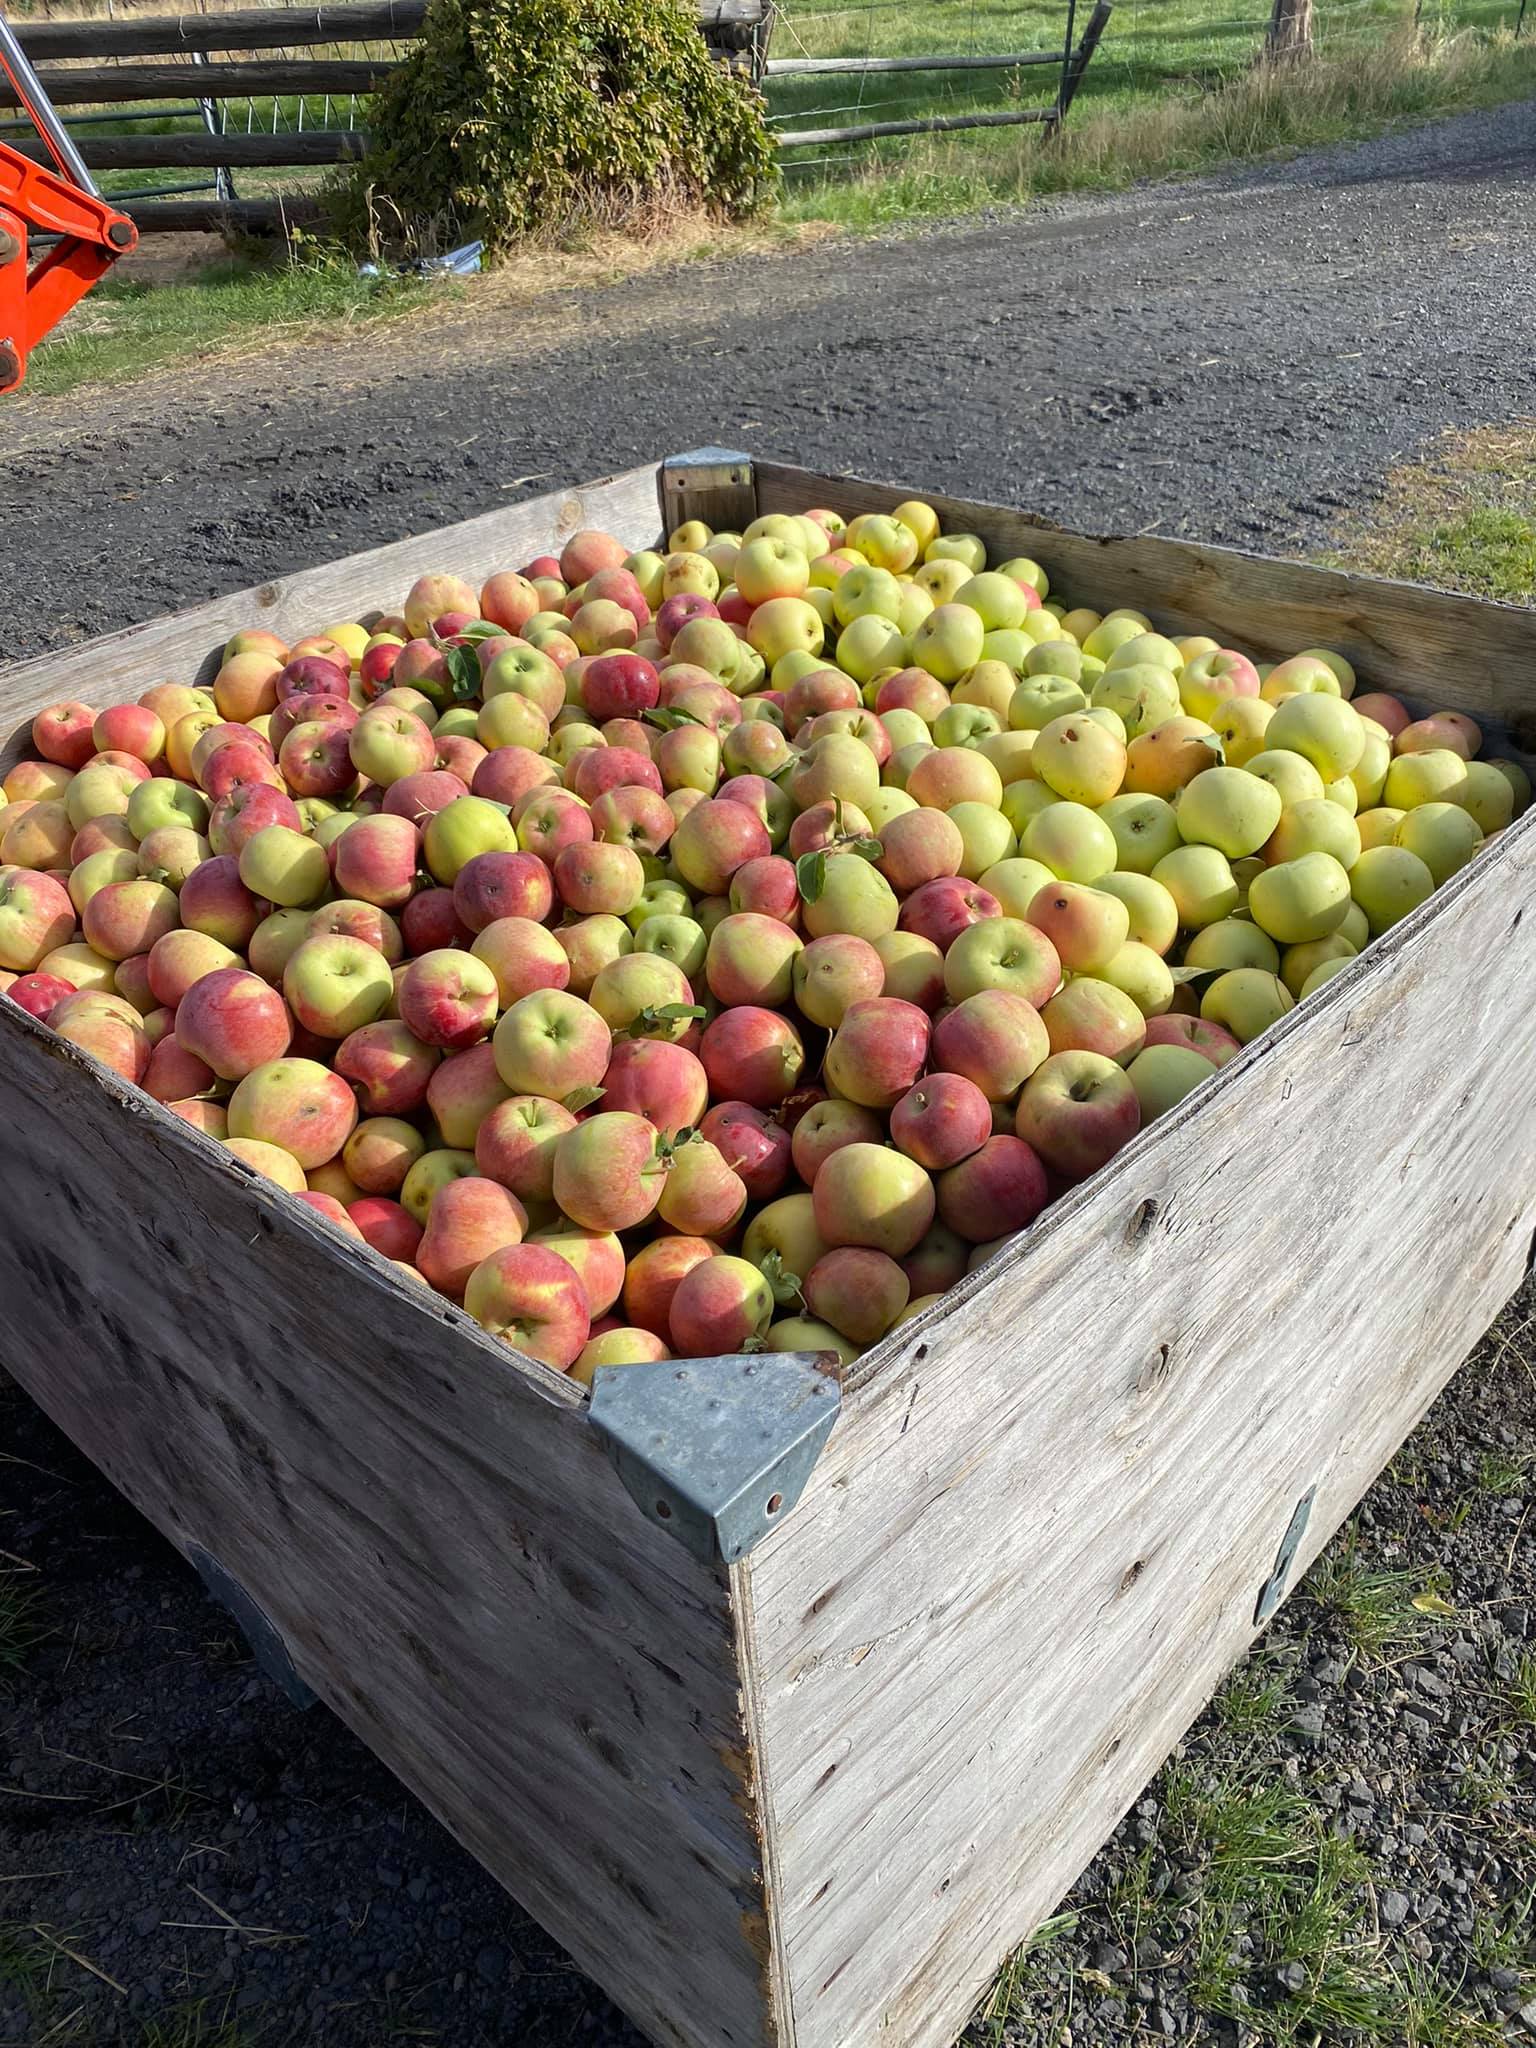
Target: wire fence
point(1148, 47)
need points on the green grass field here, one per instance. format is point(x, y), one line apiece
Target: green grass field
point(1173, 88)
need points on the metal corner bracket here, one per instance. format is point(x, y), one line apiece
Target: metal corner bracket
point(260, 1631)
point(716, 1451)
point(1272, 1592)
point(716, 485)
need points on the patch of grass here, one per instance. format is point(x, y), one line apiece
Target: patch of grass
point(1500, 1474)
point(992, 2021)
point(1256, 1700)
point(1379, 1611)
point(202, 2023)
point(1465, 518)
point(126, 326)
point(23, 1624)
point(1520, 1691)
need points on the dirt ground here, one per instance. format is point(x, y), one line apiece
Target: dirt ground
point(1237, 361)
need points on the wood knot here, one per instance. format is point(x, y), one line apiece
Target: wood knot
point(1143, 1216)
point(1156, 1372)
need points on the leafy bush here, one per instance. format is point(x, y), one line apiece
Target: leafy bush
point(521, 119)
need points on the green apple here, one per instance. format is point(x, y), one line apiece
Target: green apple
point(779, 627)
point(866, 592)
point(1300, 899)
point(1315, 826)
point(1389, 881)
point(1071, 840)
point(1112, 632)
point(468, 826)
point(1145, 828)
point(1486, 794)
point(854, 897)
point(967, 548)
point(1023, 800)
point(986, 835)
point(1079, 759)
point(1321, 975)
point(1042, 698)
point(1298, 962)
point(1148, 647)
point(870, 644)
point(1292, 774)
point(1142, 695)
point(1154, 916)
point(1163, 1075)
point(1230, 809)
point(1246, 1000)
point(1200, 881)
point(1232, 942)
point(1323, 729)
point(285, 867)
point(998, 599)
point(165, 801)
point(948, 642)
point(1016, 882)
point(1142, 974)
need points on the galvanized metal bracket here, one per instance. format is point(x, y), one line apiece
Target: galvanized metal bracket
point(712, 484)
point(716, 1451)
point(1272, 1592)
point(259, 1630)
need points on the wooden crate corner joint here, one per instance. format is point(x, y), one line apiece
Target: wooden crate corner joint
point(716, 1451)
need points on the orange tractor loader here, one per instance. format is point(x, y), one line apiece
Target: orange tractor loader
point(62, 203)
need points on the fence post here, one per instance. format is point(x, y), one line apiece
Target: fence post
point(1078, 61)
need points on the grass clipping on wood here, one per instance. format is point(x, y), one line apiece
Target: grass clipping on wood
point(522, 121)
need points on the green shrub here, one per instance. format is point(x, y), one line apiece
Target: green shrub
point(523, 119)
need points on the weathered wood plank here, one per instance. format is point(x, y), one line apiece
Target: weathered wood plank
point(1035, 1543)
point(185, 647)
point(247, 28)
point(82, 85)
point(196, 148)
point(426, 1517)
point(1457, 653)
point(211, 215)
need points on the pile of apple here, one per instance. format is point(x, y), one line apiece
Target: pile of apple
point(717, 951)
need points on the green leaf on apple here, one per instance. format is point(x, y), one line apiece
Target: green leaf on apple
point(582, 1098)
point(785, 1286)
point(866, 849)
point(811, 874)
point(1190, 974)
point(463, 672)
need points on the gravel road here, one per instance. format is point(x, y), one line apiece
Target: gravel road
point(1235, 360)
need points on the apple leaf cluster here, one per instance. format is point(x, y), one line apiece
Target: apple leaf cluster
point(516, 120)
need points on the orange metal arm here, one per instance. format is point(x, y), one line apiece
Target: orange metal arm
point(92, 235)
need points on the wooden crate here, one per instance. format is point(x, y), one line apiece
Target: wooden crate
point(815, 1797)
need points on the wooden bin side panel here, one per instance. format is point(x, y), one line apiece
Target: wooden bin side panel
point(1453, 653)
point(184, 647)
point(1036, 1541)
point(428, 1520)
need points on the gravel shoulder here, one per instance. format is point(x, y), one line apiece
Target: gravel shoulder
point(1237, 360)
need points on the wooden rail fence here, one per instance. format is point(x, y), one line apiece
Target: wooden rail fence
point(71, 58)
